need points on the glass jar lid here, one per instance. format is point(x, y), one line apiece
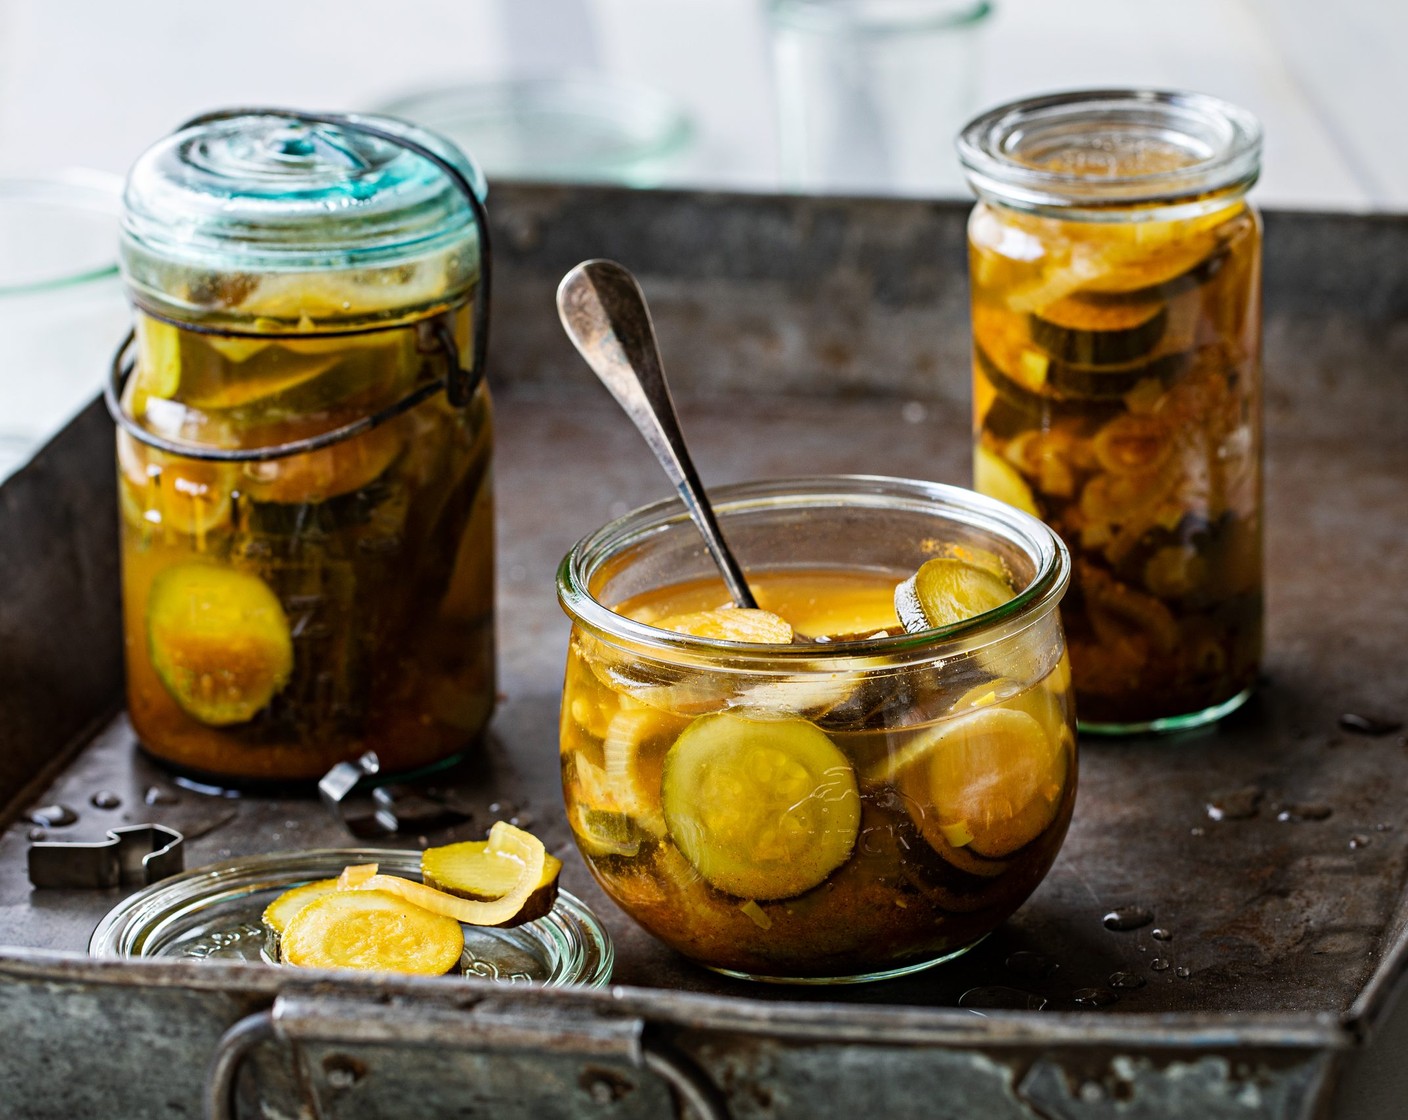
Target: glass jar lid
point(1098, 150)
point(213, 914)
point(261, 191)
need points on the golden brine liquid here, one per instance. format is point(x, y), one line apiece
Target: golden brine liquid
point(282, 616)
point(1117, 398)
point(779, 821)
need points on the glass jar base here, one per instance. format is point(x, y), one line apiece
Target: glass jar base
point(1168, 724)
point(859, 978)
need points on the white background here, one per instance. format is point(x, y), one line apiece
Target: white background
point(91, 82)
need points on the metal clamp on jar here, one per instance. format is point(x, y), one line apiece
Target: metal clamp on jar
point(307, 518)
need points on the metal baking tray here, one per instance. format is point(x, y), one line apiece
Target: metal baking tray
point(802, 336)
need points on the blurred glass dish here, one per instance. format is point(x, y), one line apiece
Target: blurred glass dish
point(583, 129)
point(61, 308)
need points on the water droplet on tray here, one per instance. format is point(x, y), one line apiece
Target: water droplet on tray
point(1235, 804)
point(1159, 964)
point(1095, 997)
point(1160, 934)
point(998, 998)
point(155, 795)
point(52, 816)
point(1128, 981)
point(1032, 966)
point(1183, 972)
point(1374, 725)
point(1126, 918)
point(1359, 840)
point(36, 834)
point(1307, 811)
point(105, 799)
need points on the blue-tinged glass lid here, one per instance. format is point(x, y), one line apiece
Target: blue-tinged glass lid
point(258, 191)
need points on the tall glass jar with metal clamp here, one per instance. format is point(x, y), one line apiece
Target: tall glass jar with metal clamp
point(304, 448)
point(1115, 266)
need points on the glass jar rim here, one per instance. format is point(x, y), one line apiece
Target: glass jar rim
point(877, 17)
point(1221, 142)
point(1038, 541)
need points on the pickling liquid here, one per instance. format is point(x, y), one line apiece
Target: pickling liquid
point(282, 616)
point(817, 825)
point(1116, 397)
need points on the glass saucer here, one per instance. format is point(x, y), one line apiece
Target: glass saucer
point(213, 913)
point(575, 128)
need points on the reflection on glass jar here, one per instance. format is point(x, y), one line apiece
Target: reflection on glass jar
point(1115, 270)
point(855, 803)
point(284, 612)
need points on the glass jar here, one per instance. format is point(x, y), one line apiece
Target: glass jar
point(1115, 266)
point(307, 521)
point(855, 806)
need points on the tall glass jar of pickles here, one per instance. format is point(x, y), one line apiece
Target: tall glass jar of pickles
point(1115, 269)
point(303, 457)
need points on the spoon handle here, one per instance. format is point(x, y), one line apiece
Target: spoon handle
point(604, 313)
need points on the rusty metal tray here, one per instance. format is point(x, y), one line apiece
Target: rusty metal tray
point(843, 326)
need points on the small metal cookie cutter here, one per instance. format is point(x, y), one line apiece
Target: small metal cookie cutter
point(137, 854)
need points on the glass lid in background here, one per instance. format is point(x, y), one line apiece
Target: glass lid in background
point(213, 913)
point(585, 129)
point(62, 313)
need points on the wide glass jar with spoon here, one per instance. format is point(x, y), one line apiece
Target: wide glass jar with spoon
point(304, 448)
point(848, 758)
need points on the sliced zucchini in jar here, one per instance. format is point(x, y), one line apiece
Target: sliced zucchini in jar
point(371, 930)
point(993, 779)
point(633, 753)
point(219, 641)
point(997, 478)
point(315, 476)
point(1097, 334)
point(762, 810)
point(731, 624)
point(947, 590)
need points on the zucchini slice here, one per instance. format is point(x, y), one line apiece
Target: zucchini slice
point(219, 641)
point(762, 810)
point(281, 911)
point(1093, 334)
point(731, 624)
point(475, 870)
point(997, 478)
point(521, 849)
point(947, 590)
point(371, 930)
point(993, 779)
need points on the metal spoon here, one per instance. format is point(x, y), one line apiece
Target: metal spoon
point(603, 311)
